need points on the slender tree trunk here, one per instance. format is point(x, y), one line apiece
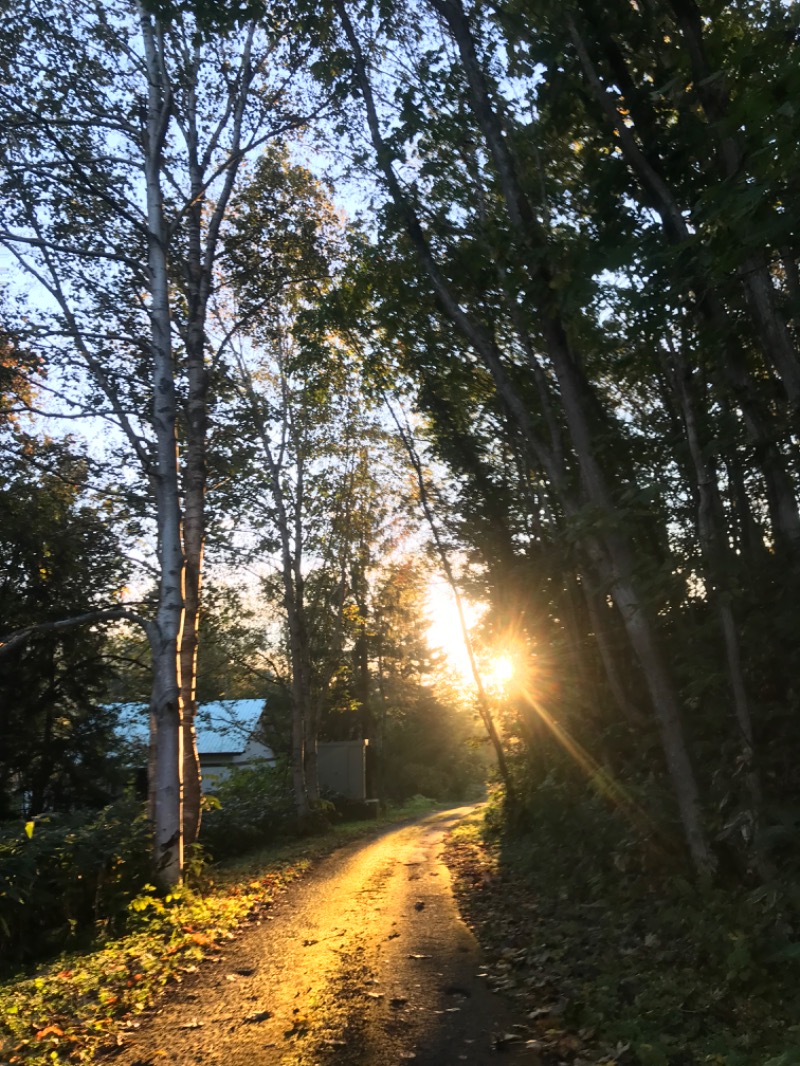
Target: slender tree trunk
point(792, 285)
point(303, 744)
point(749, 533)
point(363, 687)
point(718, 569)
point(164, 632)
point(311, 766)
point(600, 625)
point(484, 706)
point(377, 738)
point(201, 256)
point(168, 783)
point(301, 653)
point(194, 482)
point(292, 580)
point(194, 519)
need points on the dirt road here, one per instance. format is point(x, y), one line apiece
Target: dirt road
point(365, 962)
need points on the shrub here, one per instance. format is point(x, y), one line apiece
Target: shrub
point(251, 807)
point(72, 878)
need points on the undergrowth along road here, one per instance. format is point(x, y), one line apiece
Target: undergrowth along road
point(603, 968)
point(613, 966)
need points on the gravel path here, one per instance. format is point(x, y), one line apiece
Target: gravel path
point(365, 962)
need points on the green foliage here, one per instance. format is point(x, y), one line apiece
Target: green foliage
point(59, 558)
point(253, 807)
point(70, 880)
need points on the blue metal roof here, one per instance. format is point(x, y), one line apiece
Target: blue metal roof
point(223, 727)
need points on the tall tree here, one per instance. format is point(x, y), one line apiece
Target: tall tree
point(127, 135)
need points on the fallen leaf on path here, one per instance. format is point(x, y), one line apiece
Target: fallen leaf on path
point(552, 1010)
point(51, 1030)
point(193, 1024)
point(501, 1042)
point(203, 940)
point(415, 956)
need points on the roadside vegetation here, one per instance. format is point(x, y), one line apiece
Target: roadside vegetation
point(614, 957)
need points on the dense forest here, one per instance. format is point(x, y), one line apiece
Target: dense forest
point(304, 303)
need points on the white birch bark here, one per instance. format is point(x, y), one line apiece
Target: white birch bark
point(165, 630)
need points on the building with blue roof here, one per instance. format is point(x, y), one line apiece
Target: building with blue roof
point(227, 735)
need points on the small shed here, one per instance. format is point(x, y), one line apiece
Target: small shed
point(342, 767)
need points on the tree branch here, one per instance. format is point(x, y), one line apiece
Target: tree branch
point(20, 636)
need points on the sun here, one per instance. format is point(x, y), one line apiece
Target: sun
point(499, 672)
point(445, 635)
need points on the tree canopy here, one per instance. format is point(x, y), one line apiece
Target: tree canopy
point(566, 238)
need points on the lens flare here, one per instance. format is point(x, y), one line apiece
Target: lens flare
point(499, 672)
point(496, 666)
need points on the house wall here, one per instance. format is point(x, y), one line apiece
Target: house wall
point(215, 767)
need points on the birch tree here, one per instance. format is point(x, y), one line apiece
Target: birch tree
point(124, 141)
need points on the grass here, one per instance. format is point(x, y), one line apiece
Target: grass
point(69, 1009)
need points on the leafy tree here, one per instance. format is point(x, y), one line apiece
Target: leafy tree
point(59, 558)
point(129, 134)
point(602, 332)
point(326, 515)
point(308, 433)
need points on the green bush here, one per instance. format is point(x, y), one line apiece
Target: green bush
point(250, 808)
point(72, 878)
